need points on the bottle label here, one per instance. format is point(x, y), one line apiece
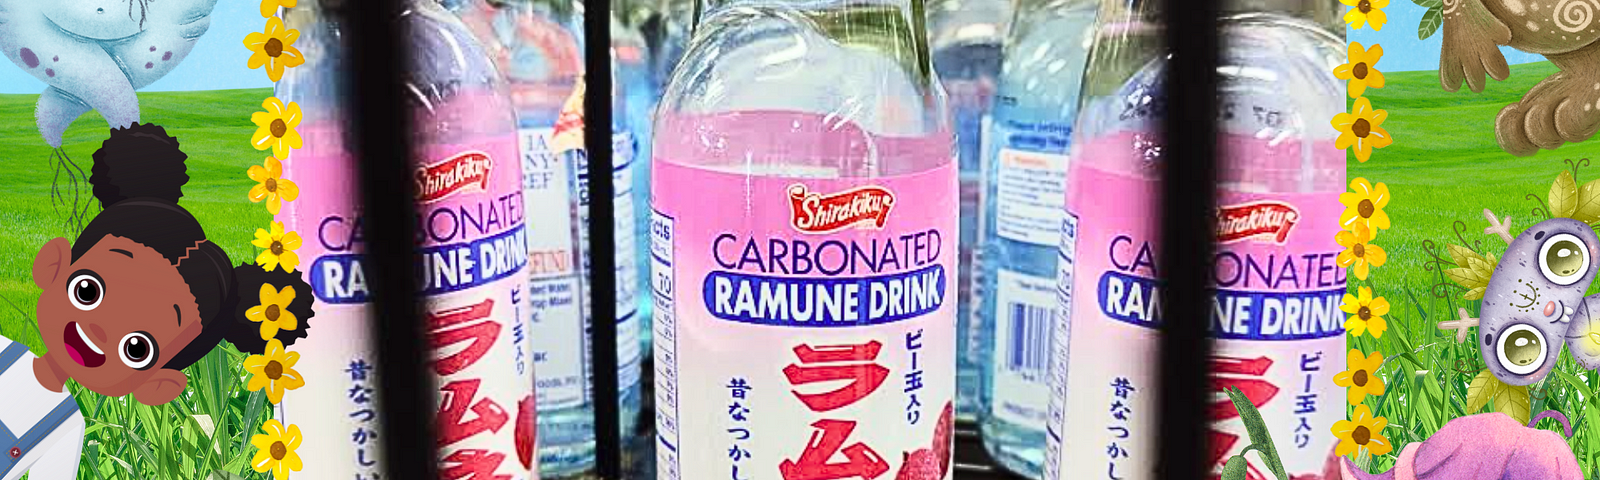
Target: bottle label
point(474, 286)
point(625, 270)
point(624, 159)
point(560, 349)
point(1031, 179)
point(1025, 307)
point(1275, 317)
point(804, 327)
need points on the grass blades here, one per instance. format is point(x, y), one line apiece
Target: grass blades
point(205, 433)
point(1443, 172)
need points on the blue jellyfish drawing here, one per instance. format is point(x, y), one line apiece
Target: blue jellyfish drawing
point(94, 54)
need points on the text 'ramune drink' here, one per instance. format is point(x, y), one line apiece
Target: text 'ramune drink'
point(1275, 316)
point(965, 36)
point(471, 237)
point(538, 51)
point(804, 247)
point(1025, 182)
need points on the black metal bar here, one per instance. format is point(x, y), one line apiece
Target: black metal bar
point(374, 99)
point(602, 289)
point(1187, 243)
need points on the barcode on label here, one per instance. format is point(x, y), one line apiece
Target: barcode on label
point(1030, 340)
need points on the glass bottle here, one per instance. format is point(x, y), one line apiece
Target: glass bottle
point(803, 245)
point(538, 45)
point(471, 228)
point(1024, 183)
point(966, 39)
point(1278, 330)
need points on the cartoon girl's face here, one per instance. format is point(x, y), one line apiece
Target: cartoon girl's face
point(112, 319)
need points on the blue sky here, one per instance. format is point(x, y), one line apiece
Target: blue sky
point(1401, 50)
point(216, 63)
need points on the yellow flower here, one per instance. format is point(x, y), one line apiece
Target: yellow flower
point(1362, 431)
point(1359, 71)
point(1362, 377)
point(1366, 11)
point(275, 449)
point(274, 48)
point(271, 186)
point(273, 314)
point(1359, 250)
point(270, 7)
point(1364, 205)
point(280, 247)
point(274, 369)
point(1366, 313)
point(275, 127)
point(1361, 127)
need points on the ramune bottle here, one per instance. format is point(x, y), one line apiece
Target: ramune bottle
point(1276, 318)
point(540, 54)
point(966, 36)
point(804, 247)
point(473, 267)
point(1025, 181)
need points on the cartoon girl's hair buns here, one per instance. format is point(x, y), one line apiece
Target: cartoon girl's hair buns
point(140, 160)
point(248, 278)
point(138, 176)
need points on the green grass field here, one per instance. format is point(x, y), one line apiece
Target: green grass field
point(207, 430)
point(1444, 168)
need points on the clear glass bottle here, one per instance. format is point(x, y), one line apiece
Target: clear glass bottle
point(636, 100)
point(464, 150)
point(1279, 334)
point(804, 160)
point(966, 38)
point(1023, 184)
point(537, 44)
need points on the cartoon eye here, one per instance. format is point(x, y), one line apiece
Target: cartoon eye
point(1522, 349)
point(137, 350)
point(85, 290)
point(1564, 259)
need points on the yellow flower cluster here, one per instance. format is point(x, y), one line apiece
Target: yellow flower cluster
point(273, 370)
point(1359, 224)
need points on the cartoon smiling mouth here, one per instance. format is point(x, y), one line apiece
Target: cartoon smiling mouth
point(80, 348)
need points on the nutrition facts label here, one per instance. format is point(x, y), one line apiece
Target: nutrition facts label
point(666, 346)
point(1063, 327)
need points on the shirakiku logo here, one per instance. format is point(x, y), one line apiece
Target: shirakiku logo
point(1267, 220)
point(816, 213)
point(466, 171)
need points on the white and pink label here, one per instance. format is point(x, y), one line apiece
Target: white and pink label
point(1275, 317)
point(474, 283)
point(804, 326)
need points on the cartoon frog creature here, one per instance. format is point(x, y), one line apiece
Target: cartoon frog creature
point(1563, 108)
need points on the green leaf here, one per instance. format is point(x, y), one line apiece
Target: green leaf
point(1430, 22)
point(1260, 438)
point(1513, 401)
point(1576, 383)
point(1234, 469)
point(1482, 390)
point(1563, 196)
point(1591, 416)
point(1588, 210)
point(1460, 254)
point(1474, 294)
point(1466, 277)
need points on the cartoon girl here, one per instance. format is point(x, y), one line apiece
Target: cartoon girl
point(141, 294)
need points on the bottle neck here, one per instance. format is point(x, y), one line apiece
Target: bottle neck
point(1316, 11)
